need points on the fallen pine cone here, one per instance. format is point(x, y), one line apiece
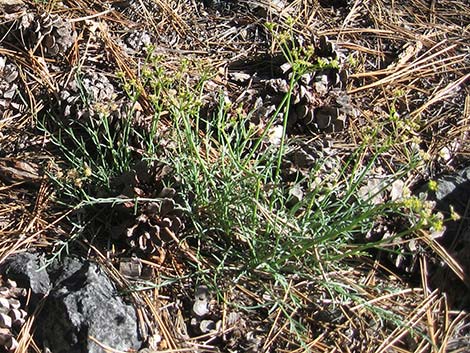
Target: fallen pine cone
point(12, 314)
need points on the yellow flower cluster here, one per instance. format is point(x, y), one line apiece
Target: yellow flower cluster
point(422, 211)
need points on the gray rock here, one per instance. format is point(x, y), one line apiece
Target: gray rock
point(27, 269)
point(455, 187)
point(82, 305)
point(453, 191)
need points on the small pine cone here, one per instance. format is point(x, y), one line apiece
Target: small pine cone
point(12, 313)
point(156, 225)
point(54, 34)
point(313, 104)
point(138, 40)
point(8, 88)
point(99, 95)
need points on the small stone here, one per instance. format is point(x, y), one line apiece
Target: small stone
point(239, 77)
point(396, 192)
point(201, 301)
point(131, 267)
point(275, 134)
point(295, 195)
point(207, 326)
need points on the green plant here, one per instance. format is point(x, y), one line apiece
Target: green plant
point(243, 223)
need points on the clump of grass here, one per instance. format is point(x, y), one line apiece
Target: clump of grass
point(244, 227)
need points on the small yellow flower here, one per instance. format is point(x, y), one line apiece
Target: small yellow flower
point(413, 203)
point(432, 185)
point(437, 225)
point(87, 172)
point(454, 215)
point(425, 156)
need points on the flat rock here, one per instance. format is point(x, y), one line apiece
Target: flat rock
point(84, 306)
point(27, 269)
point(81, 305)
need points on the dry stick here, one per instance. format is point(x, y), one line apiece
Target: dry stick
point(105, 347)
point(316, 343)
point(384, 297)
point(460, 132)
point(358, 47)
point(427, 70)
point(165, 332)
point(446, 325)
point(184, 248)
point(90, 16)
point(183, 25)
point(382, 32)
point(451, 328)
point(122, 62)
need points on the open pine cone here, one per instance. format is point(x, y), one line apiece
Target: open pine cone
point(156, 225)
point(8, 89)
point(319, 99)
point(148, 225)
point(12, 313)
point(87, 95)
point(51, 33)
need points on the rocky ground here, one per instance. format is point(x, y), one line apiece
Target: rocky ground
point(93, 263)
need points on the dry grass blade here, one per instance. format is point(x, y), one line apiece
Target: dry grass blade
point(445, 256)
point(414, 318)
point(439, 96)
